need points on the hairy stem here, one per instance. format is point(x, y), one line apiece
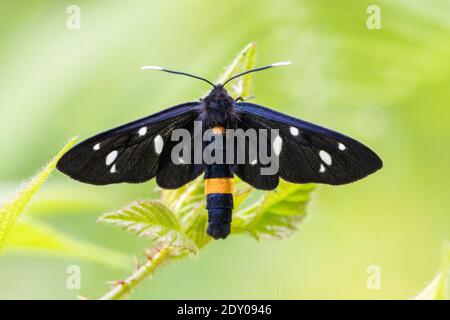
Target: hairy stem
point(124, 287)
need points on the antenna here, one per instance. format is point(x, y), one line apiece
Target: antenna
point(276, 64)
point(176, 72)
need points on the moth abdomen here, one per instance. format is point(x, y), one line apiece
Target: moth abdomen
point(220, 207)
point(219, 185)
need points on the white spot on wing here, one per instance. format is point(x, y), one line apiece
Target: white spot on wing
point(277, 145)
point(325, 156)
point(159, 144)
point(111, 157)
point(113, 169)
point(96, 147)
point(294, 131)
point(142, 131)
point(322, 168)
point(341, 146)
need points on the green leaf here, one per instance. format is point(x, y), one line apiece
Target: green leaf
point(35, 237)
point(151, 220)
point(242, 191)
point(244, 61)
point(276, 214)
point(10, 211)
point(439, 287)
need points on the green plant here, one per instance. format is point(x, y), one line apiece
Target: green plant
point(177, 223)
point(11, 211)
point(439, 286)
point(21, 233)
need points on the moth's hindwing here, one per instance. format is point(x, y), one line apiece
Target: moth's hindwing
point(174, 173)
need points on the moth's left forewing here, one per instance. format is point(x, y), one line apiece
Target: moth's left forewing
point(128, 153)
point(311, 153)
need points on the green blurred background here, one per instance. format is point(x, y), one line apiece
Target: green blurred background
point(388, 88)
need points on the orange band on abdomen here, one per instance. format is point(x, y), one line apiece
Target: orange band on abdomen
point(219, 185)
point(218, 130)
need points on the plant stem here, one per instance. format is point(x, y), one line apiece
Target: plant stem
point(126, 286)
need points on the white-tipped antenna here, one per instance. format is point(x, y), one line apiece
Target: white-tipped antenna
point(152, 68)
point(176, 72)
point(276, 64)
point(281, 63)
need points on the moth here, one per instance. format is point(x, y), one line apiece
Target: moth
point(141, 150)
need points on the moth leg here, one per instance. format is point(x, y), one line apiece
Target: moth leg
point(243, 99)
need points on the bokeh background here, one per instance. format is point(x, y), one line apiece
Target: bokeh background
point(388, 88)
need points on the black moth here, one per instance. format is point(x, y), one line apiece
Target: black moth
point(141, 150)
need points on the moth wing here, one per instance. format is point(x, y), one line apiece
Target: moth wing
point(175, 170)
point(128, 153)
point(249, 169)
point(311, 153)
